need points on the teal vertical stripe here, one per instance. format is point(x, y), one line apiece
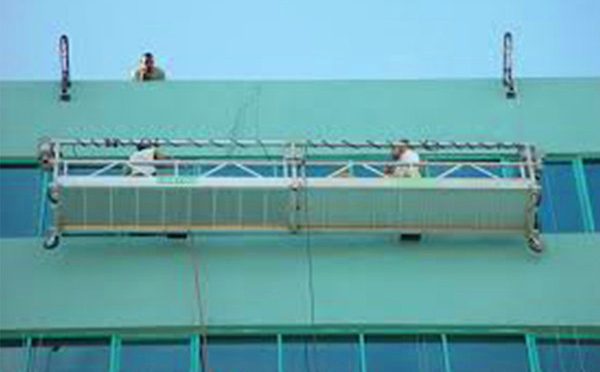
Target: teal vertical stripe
point(28, 355)
point(115, 353)
point(446, 351)
point(363, 352)
point(584, 196)
point(195, 354)
point(43, 203)
point(280, 367)
point(532, 353)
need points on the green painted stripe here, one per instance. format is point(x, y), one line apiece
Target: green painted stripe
point(591, 332)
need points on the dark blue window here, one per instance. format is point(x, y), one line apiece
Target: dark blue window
point(331, 354)
point(71, 356)
point(569, 355)
point(592, 175)
point(560, 210)
point(155, 356)
point(12, 355)
point(19, 201)
point(498, 354)
point(404, 353)
point(240, 354)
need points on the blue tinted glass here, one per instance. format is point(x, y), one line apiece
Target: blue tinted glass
point(12, 356)
point(465, 171)
point(331, 354)
point(155, 357)
point(321, 170)
point(592, 175)
point(475, 354)
point(560, 210)
point(569, 355)
point(240, 354)
point(19, 201)
point(71, 356)
point(404, 353)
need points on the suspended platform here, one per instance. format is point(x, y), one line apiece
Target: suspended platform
point(280, 186)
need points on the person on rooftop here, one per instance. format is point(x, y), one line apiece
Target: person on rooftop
point(147, 71)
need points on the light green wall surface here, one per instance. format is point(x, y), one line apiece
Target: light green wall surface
point(460, 281)
point(560, 115)
point(263, 281)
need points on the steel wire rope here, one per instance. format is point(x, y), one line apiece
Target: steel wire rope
point(201, 313)
point(310, 271)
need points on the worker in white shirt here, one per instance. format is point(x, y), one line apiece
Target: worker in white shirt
point(146, 152)
point(407, 162)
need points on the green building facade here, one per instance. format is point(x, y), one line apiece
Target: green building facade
point(324, 302)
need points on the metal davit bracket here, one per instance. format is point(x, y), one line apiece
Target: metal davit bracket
point(65, 72)
point(276, 186)
point(507, 66)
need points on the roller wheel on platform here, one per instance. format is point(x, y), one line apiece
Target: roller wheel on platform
point(53, 195)
point(51, 241)
point(535, 244)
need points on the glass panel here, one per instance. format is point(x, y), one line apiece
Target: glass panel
point(465, 171)
point(71, 356)
point(592, 175)
point(560, 210)
point(331, 354)
point(475, 354)
point(569, 355)
point(233, 354)
point(12, 355)
point(404, 353)
point(155, 356)
point(20, 201)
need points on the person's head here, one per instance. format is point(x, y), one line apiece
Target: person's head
point(399, 149)
point(143, 145)
point(148, 60)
